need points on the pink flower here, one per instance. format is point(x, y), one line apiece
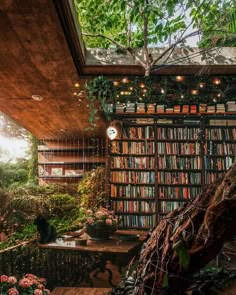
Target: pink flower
point(3, 278)
point(12, 280)
point(31, 276)
point(108, 221)
point(89, 212)
point(47, 291)
point(26, 283)
point(13, 291)
point(40, 286)
point(90, 220)
point(38, 292)
point(42, 280)
point(99, 213)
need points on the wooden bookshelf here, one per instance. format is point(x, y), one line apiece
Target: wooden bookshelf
point(66, 162)
point(163, 160)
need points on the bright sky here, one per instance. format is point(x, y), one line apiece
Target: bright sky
point(13, 148)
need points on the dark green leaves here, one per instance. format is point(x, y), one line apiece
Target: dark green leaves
point(181, 249)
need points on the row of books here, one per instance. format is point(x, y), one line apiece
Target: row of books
point(132, 191)
point(179, 148)
point(133, 147)
point(222, 122)
point(178, 192)
point(134, 221)
point(178, 133)
point(220, 164)
point(167, 206)
point(179, 177)
point(220, 134)
point(224, 149)
point(213, 176)
point(229, 106)
point(134, 206)
point(138, 132)
point(133, 176)
point(178, 162)
point(133, 162)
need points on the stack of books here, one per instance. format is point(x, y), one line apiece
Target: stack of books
point(220, 108)
point(141, 107)
point(169, 109)
point(202, 107)
point(231, 106)
point(177, 109)
point(130, 108)
point(110, 108)
point(151, 108)
point(185, 108)
point(160, 108)
point(120, 108)
point(193, 108)
point(211, 109)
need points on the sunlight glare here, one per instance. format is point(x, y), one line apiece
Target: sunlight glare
point(12, 148)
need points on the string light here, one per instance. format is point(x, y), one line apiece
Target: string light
point(216, 81)
point(179, 78)
point(201, 85)
point(194, 92)
point(125, 80)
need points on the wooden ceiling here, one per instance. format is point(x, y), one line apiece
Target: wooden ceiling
point(41, 55)
point(35, 60)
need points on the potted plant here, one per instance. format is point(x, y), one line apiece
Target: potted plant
point(100, 90)
point(29, 284)
point(100, 224)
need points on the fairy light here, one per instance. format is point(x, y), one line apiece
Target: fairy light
point(115, 83)
point(142, 85)
point(216, 81)
point(125, 80)
point(179, 78)
point(77, 85)
point(194, 92)
point(201, 85)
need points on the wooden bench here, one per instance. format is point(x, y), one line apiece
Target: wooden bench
point(80, 291)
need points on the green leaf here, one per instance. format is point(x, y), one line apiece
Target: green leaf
point(181, 249)
point(165, 283)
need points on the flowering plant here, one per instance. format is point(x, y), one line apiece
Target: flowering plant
point(100, 224)
point(102, 217)
point(28, 285)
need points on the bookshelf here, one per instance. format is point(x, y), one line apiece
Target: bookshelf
point(162, 160)
point(67, 161)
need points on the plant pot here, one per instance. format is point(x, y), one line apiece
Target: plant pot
point(99, 232)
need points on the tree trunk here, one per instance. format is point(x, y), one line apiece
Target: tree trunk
point(186, 240)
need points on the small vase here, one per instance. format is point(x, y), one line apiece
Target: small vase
point(98, 232)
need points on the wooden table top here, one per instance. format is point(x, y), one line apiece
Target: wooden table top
point(113, 245)
point(80, 291)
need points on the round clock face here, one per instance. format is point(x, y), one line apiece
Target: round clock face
point(111, 132)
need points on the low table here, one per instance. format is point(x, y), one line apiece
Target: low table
point(94, 256)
